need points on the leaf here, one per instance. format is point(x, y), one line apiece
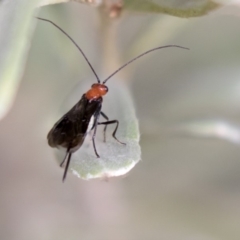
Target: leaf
point(15, 35)
point(179, 8)
point(115, 159)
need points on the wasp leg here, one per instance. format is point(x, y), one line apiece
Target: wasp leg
point(64, 159)
point(115, 130)
point(94, 134)
point(105, 127)
point(69, 154)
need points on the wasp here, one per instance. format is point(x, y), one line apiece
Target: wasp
point(70, 131)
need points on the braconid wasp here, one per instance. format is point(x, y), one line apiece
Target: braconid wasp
point(70, 131)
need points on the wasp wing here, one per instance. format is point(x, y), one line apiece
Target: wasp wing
point(70, 131)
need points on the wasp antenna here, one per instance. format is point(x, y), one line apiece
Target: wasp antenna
point(151, 50)
point(67, 165)
point(46, 20)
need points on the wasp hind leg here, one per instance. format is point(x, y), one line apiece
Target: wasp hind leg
point(68, 157)
point(115, 130)
point(105, 127)
point(94, 134)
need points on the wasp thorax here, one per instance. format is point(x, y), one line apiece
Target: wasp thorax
point(97, 90)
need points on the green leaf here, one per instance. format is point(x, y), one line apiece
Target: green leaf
point(115, 159)
point(179, 8)
point(15, 36)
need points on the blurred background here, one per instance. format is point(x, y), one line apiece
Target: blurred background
point(187, 186)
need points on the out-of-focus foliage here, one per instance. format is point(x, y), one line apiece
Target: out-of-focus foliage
point(16, 20)
point(180, 8)
point(17, 23)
